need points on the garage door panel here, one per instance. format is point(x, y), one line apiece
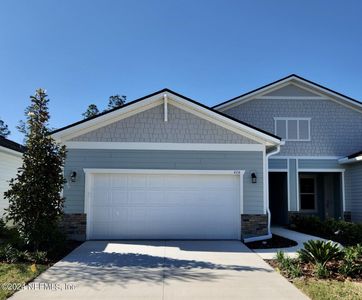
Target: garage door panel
point(119, 197)
point(119, 181)
point(137, 181)
point(172, 206)
point(101, 180)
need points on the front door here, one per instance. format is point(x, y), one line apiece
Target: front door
point(278, 198)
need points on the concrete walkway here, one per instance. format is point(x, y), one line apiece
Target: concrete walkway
point(298, 237)
point(160, 270)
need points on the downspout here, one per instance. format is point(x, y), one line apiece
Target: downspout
point(266, 179)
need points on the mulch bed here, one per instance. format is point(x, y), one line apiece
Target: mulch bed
point(275, 242)
point(308, 270)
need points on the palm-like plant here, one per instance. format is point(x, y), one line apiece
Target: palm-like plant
point(320, 252)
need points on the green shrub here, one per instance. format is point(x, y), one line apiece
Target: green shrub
point(10, 254)
point(352, 261)
point(340, 231)
point(39, 257)
point(290, 266)
point(319, 252)
point(307, 224)
point(321, 271)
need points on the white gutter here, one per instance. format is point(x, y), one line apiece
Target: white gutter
point(347, 160)
point(266, 179)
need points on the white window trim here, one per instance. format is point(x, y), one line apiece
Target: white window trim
point(164, 146)
point(286, 128)
point(89, 181)
point(315, 193)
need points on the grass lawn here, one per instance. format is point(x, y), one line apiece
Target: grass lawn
point(329, 289)
point(16, 274)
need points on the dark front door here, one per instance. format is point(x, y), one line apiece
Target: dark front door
point(278, 198)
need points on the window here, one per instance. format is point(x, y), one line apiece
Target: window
point(307, 192)
point(293, 129)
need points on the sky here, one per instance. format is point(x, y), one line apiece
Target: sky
point(82, 52)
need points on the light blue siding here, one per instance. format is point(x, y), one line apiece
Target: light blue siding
point(353, 180)
point(278, 164)
point(319, 164)
point(336, 130)
point(293, 182)
point(78, 159)
point(149, 126)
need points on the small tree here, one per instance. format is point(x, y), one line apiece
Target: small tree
point(91, 111)
point(35, 203)
point(116, 101)
point(4, 130)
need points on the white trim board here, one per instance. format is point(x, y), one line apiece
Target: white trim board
point(321, 170)
point(175, 100)
point(293, 98)
point(162, 171)
point(306, 157)
point(165, 146)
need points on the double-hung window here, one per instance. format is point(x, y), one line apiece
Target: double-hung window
point(292, 129)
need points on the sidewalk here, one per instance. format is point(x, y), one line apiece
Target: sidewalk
point(300, 238)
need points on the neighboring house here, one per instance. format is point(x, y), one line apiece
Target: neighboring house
point(167, 167)
point(10, 160)
point(319, 127)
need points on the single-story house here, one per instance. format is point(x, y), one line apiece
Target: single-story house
point(166, 167)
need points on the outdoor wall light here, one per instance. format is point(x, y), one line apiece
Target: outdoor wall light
point(253, 177)
point(73, 176)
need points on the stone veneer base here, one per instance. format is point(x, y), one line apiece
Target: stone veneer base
point(74, 226)
point(254, 225)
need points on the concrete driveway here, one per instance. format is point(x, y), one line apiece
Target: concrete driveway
point(160, 270)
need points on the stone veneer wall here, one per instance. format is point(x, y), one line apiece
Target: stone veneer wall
point(254, 225)
point(74, 226)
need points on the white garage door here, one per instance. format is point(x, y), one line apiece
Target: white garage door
point(164, 206)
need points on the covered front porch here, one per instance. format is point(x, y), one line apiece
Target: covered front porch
point(311, 193)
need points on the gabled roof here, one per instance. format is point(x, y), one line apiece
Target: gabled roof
point(11, 145)
point(64, 133)
point(293, 78)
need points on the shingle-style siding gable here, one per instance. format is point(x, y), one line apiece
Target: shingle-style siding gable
point(291, 90)
point(149, 126)
point(336, 130)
